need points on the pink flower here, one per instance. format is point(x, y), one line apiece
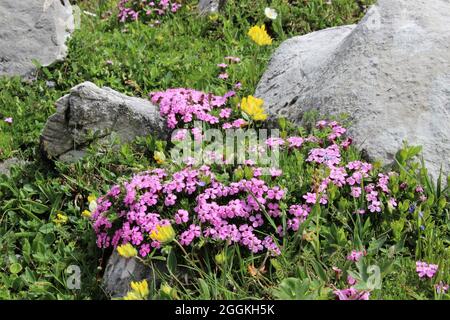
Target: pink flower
point(225, 113)
point(274, 172)
point(179, 135)
point(223, 76)
point(426, 270)
point(321, 124)
point(295, 142)
point(239, 123)
point(274, 142)
point(356, 192)
point(350, 280)
point(355, 255)
point(9, 120)
point(351, 294)
point(347, 143)
point(222, 65)
point(182, 216)
point(275, 193)
point(310, 198)
point(441, 288)
point(392, 202)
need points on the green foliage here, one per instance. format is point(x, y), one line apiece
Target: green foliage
point(184, 51)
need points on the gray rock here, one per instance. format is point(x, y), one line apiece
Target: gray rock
point(390, 73)
point(5, 166)
point(33, 29)
point(89, 113)
point(210, 6)
point(119, 273)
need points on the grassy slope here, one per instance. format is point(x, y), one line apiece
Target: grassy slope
point(183, 52)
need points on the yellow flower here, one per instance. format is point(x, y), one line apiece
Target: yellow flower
point(127, 250)
point(139, 291)
point(163, 234)
point(169, 291)
point(159, 157)
point(60, 218)
point(260, 35)
point(252, 107)
point(92, 198)
point(131, 295)
point(86, 213)
point(140, 287)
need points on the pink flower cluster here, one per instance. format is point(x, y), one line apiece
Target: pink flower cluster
point(424, 269)
point(187, 105)
point(356, 255)
point(233, 213)
point(351, 294)
point(130, 10)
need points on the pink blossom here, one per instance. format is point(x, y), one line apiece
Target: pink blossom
point(182, 216)
point(351, 294)
point(310, 198)
point(356, 192)
point(295, 142)
point(274, 172)
point(426, 270)
point(355, 255)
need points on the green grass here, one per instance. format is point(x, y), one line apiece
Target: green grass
point(182, 52)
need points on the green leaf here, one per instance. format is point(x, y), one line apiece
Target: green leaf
point(47, 228)
point(15, 268)
point(172, 261)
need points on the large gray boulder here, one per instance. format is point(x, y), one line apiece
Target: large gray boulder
point(390, 74)
point(89, 113)
point(33, 29)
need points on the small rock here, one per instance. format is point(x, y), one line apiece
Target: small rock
point(6, 165)
point(89, 111)
point(210, 6)
point(119, 273)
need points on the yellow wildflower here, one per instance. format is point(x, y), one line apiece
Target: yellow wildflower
point(131, 295)
point(140, 287)
point(127, 250)
point(60, 218)
point(163, 234)
point(86, 213)
point(252, 107)
point(260, 35)
point(159, 157)
point(139, 291)
point(169, 291)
